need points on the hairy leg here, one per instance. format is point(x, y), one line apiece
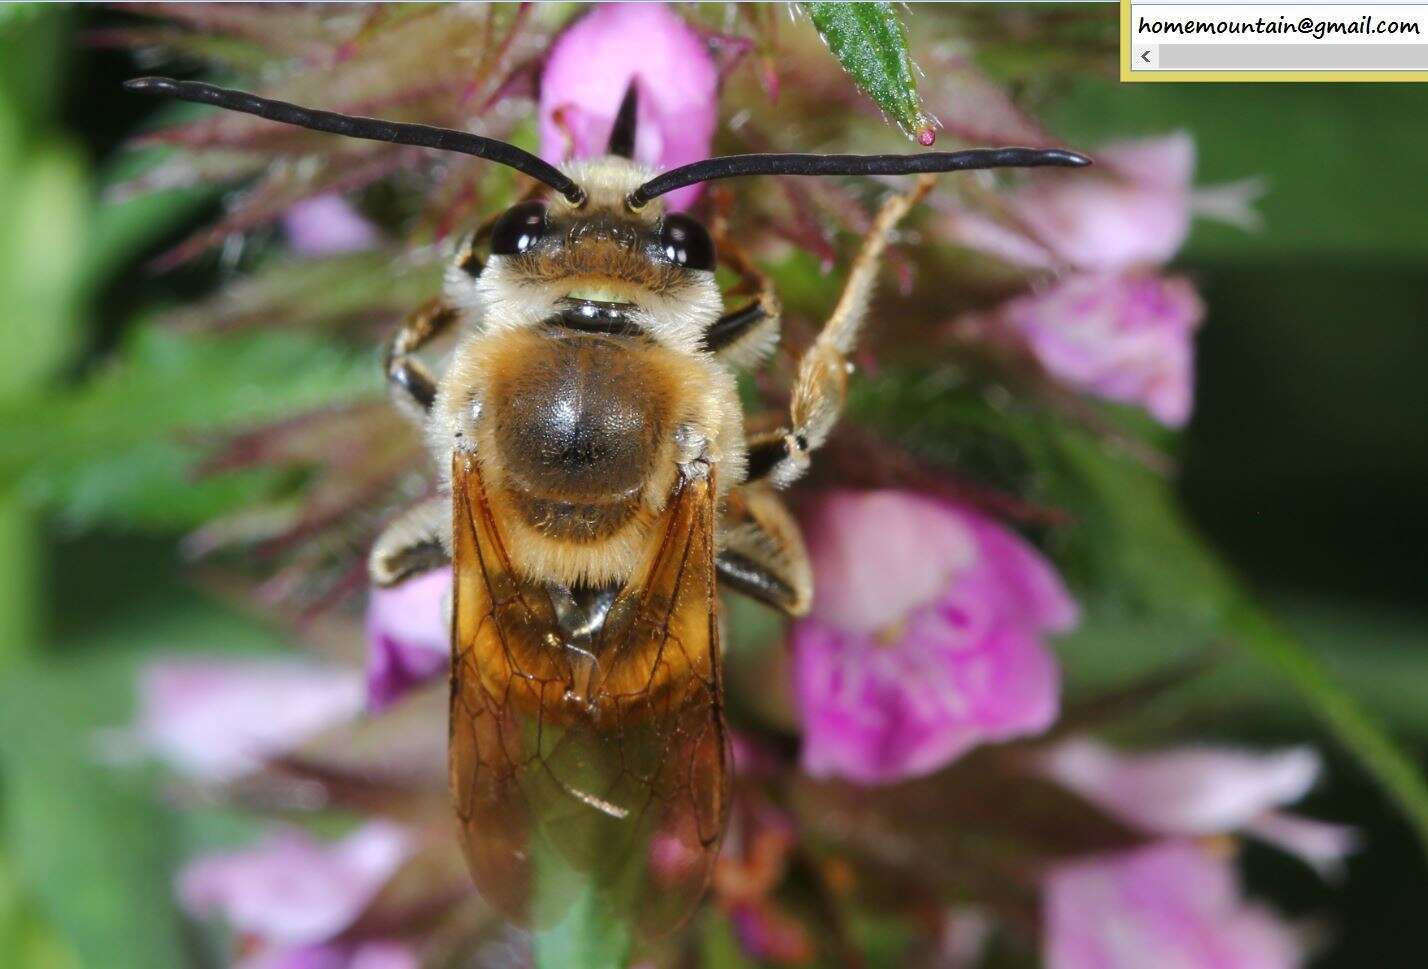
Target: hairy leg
point(762, 553)
point(415, 541)
point(746, 335)
point(781, 456)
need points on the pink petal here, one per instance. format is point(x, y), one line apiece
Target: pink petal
point(367, 955)
point(1127, 338)
point(1319, 844)
point(1184, 790)
point(877, 555)
point(925, 637)
point(591, 65)
point(994, 238)
point(383, 955)
point(876, 714)
point(217, 719)
point(292, 890)
point(408, 636)
point(1166, 162)
point(1097, 224)
point(1034, 589)
point(1173, 905)
point(325, 225)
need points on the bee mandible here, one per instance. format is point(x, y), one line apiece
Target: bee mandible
point(598, 484)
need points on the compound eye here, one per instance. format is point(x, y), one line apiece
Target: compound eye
point(519, 228)
point(685, 242)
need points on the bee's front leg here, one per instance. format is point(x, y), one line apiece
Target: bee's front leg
point(745, 336)
point(417, 540)
point(781, 456)
point(412, 386)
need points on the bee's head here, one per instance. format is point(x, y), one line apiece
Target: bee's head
point(602, 265)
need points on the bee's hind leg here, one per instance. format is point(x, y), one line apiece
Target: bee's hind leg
point(781, 456)
point(761, 552)
point(415, 541)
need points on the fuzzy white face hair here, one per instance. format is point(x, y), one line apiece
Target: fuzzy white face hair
point(601, 252)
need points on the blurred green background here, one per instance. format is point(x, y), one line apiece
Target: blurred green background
point(1307, 464)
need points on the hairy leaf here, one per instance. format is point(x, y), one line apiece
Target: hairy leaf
point(121, 447)
point(869, 41)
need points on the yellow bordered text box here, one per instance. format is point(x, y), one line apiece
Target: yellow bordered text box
point(1332, 50)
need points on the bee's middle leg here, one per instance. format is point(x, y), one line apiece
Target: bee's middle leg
point(819, 390)
point(417, 540)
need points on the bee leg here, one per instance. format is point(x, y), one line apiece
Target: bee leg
point(762, 553)
point(745, 336)
point(415, 541)
point(412, 386)
point(781, 456)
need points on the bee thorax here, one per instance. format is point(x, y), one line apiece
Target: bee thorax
point(578, 422)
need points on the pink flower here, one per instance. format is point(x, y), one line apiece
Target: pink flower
point(362, 955)
point(217, 719)
point(1134, 210)
point(327, 224)
point(925, 638)
point(1184, 790)
point(766, 933)
point(592, 64)
point(1191, 791)
point(1175, 905)
point(1128, 338)
point(408, 636)
point(292, 896)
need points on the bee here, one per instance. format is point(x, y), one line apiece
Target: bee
point(599, 484)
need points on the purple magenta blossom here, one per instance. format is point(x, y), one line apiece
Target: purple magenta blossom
point(592, 64)
point(1175, 905)
point(1128, 338)
point(1322, 845)
point(293, 895)
point(925, 638)
point(1196, 791)
point(216, 719)
point(408, 636)
point(1133, 211)
point(325, 225)
point(364, 955)
point(1184, 790)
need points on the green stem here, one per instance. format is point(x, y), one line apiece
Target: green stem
point(585, 935)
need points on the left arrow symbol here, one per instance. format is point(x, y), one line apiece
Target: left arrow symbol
point(1145, 56)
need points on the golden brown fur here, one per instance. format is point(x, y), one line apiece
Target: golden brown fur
point(601, 540)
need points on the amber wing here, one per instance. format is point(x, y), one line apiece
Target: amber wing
point(597, 770)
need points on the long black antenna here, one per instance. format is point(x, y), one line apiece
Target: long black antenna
point(733, 166)
point(371, 129)
point(622, 132)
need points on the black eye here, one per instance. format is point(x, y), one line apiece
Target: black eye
point(686, 242)
point(518, 229)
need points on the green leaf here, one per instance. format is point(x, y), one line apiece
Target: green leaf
point(89, 846)
point(26, 939)
point(121, 447)
point(869, 41)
